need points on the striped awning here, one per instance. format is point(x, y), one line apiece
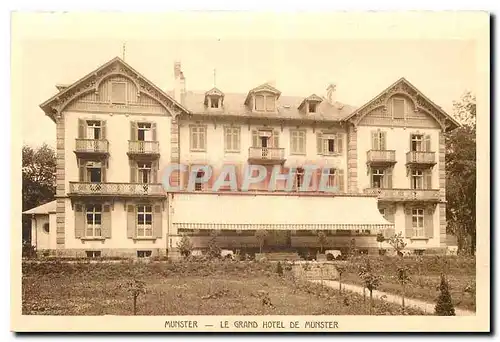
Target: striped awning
point(226, 211)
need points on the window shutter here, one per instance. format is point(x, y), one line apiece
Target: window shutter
point(339, 144)
point(293, 142)
point(103, 129)
point(276, 139)
point(153, 131)
point(409, 146)
point(157, 222)
point(237, 140)
point(383, 136)
point(79, 221)
point(154, 172)
point(82, 130)
point(388, 178)
point(319, 143)
point(255, 139)
point(103, 171)
point(106, 221)
point(389, 214)
point(429, 222)
point(81, 171)
point(131, 221)
point(374, 140)
point(408, 223)
point(133, 130)
point(427, 144)
point(203, 138)
point(133, 171)
point(340, 180)
point(428, 179)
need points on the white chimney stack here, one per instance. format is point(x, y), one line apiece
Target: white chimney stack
point(330, 93)
point(179, 83)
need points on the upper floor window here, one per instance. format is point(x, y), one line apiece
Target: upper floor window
point(144, 172)
point(329, 144)
point(299, 178)
point(91, 171)
point(198, 138)
point(378, 140)
point(417, 143)
point(399, 108)
point(214, 101)
point(118, 92)
point(381, 178)
point(142, 131)
point(91, 129)
point(417, 179)
point(297, 141)
point(94, 130)
point(144, 221)
point(265, 103)
point(232, 139)
point(93, 218)
point(265, 138)
point(311, 107)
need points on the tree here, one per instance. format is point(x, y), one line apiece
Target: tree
point(185, 246)
point(279, 269)
point(322, 240)
point(340, 270)
point(213, 248)
point(380, 239)
point(403, 273)
point(444, 305)
point(461, 175)
point(39, 179)
point(261, 236)
point(371, 281)
point(398, 243)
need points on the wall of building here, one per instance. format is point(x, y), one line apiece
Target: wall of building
point(39, 237)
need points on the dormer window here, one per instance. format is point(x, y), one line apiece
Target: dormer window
point(310, 104)
point(312, 107)
point(263, 98)
point(214, 99)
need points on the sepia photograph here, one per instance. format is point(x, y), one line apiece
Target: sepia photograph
point(238, 173)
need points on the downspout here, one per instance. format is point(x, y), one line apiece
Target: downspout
point(33, 218)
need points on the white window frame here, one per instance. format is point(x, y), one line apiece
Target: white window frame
point(90, 165)
point(143, 228)
point(265, 98)
point(378, 172)
point(298, 141)
point(146, 127)
point(198, 138)
point(94, 126)
point(326, 144)
point(414, 174)
point(418, 139)
point(232, 139)
point(418, 222)
point(93, 229)
point(144, 168)
point(380, 135)
point(113, 101)
point(332, 176)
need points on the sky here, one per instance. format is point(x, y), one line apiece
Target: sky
point(245, 52)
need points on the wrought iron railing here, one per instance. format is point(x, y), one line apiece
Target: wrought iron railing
point(421, 157)
point(92, 145)
point(403, 195)
point(128, 189)
point(143, 147)
point(388, 156)
point(266, 153)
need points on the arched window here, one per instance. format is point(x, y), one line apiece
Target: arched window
point(46, 227)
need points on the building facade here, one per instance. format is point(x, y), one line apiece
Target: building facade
point(117, 133)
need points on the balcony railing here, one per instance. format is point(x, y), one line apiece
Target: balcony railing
point(270, 154)
point(138, 147)
point(404, 195)
point(115, 189)
point(420, 157)
point(381, 156)
point(92, 146)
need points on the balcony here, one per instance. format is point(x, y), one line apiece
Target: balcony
point(404, 195)
point(86, 147)
point(266, 155)
point(115, 189)
point(422, 158)
point(137, 148)
point(381, 157)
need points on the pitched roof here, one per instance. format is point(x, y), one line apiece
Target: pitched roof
point(46, 208)
point(288, 108)
point(89, 82)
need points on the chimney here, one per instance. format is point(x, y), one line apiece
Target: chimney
point(179, 84)
point(330, 93)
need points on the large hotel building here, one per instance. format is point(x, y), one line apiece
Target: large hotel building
point(117, 132)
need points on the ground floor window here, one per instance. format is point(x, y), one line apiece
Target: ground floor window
point(144, 221)
point(94, 218)
point(143, 254)
point(93, 254)
point(417, 219)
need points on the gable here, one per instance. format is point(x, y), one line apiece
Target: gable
point(419, 111)
point(89, 88)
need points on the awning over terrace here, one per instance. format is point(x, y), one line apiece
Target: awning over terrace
point(246, 211)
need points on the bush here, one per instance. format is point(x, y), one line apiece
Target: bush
point(28, 250)
point(444, 306)
point(279, 269)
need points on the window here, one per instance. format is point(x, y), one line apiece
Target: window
point(232, 139)
point(144, 172)
point(329, 143)
point(94, 217)
point(297, 142)
point(198, 138)
point(143, 254)
point(378, 140)
point(299, 178)
point(144, 132)
point(265, 103)
point(94, 130)
point(259, 102)
point(144, 221)
point(270, 103)
point(118, 92)
point(382, 211)
point(377, 178)
point(312, 107)
point(332, 177)
point(198, 185)
point(417, 222)
point(417, 142)
point(94, 171)
point(398, 108)
point(46, 227)
point(93, 254)
point(214, 101)
point(417, 179)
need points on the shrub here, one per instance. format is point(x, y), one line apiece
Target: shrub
point(444, 306)
point(185, 246)
point(279, 269)
point(28, 250)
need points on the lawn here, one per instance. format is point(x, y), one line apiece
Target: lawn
point(425, 276)
point(186, 288)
